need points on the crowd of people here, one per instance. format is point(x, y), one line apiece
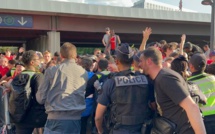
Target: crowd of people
point(122, 90)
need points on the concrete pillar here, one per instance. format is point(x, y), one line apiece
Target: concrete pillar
point(43, 43)
point(53, 41)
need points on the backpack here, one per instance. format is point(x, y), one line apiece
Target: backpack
point(20, 96)
point(196, 94)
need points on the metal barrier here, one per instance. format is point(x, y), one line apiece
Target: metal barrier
point(4, 117)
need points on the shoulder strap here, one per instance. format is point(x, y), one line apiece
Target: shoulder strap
point(31, 74)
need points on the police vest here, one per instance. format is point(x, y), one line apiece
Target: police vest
point(206, 83)
point(130, 100)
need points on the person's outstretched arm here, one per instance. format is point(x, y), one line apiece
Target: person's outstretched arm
point(146, 33)
point(183, 38)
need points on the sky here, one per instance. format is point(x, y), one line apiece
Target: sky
point(188, 4)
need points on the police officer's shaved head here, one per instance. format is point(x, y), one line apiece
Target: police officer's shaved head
point(124, 54)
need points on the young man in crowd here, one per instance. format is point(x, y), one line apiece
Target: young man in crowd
point(171, 94)
point(47, 58)
point(35, 116)
point(62, 91)
point(206, 50)
point(8, 55)
point(97, 52)
point(191, 48)
point(20, 53)
point(106, 40)
point(19, 67)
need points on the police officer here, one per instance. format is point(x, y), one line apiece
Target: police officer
point(206, 83)
point(126, 94)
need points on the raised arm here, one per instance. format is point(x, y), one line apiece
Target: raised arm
point(146, 33)
point(183, 38)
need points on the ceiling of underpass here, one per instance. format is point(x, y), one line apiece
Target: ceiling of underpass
point(16, 37)
point(86, 39)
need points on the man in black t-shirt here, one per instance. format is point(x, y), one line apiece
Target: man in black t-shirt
point(171, 93)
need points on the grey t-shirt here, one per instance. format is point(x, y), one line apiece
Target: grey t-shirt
point(106, 38)
point(170, 90)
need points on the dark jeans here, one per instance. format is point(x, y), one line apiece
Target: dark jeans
point(84, 121)
point(209, 122)
point(112, 52)
point(23, 129)
point(62, 127)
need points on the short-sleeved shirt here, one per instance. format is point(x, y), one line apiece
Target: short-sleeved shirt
point(9, 58)
point(106, 38)
point(170, 90)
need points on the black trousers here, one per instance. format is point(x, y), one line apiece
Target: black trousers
point(84, 121)
point(112, 52)
point(23, 129)
point(209, 122)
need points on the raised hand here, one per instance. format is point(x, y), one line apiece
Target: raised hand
point(183, 38)
point(147, 32)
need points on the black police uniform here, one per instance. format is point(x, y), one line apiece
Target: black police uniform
point(127, 94)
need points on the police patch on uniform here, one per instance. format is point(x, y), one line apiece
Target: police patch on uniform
point(130, 80)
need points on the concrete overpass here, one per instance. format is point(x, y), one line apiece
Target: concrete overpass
point(54, 22)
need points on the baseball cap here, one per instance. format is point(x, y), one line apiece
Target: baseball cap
point(198, 60)
point(124, 50)
point(212, 53)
